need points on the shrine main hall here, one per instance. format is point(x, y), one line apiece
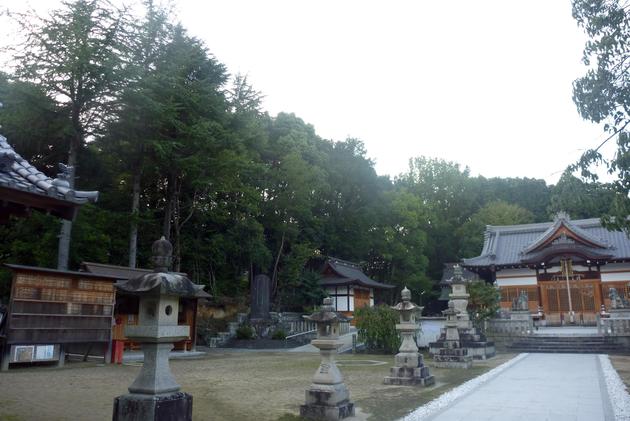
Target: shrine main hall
point(564, 266)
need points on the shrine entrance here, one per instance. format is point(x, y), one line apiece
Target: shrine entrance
point(585, 300)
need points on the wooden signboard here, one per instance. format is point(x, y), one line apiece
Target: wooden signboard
point(59, 307)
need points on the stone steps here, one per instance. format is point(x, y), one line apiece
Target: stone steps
point(568, 344)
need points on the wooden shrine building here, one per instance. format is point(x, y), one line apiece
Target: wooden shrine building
point(126, 309)
point(564, 266)
point(53, 312)
point(348, 286)
point(24, 188)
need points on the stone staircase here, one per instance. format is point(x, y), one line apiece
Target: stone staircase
point(223, 337)
point(567, 344)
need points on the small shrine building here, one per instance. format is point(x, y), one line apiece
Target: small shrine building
point(563, 266)
point(348, 286)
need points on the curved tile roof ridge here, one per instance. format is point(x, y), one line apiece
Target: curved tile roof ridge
point(17, 173)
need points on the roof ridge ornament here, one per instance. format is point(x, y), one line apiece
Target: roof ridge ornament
point(561, 216)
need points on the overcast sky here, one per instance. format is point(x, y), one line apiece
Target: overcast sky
point(486, 84)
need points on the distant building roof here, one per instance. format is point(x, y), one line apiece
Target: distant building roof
point(447, 274)
point(514, 245)
point(24, 185)
point(342, 272)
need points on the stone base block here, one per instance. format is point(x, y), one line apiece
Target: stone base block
point(410, 381)
point(408, 376)
point(329, 413)
point(327, 395)
point(454, 364)
point(169, 407)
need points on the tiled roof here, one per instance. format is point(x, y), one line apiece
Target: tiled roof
point(509, 244)
point(350, 273)
point(18, 174)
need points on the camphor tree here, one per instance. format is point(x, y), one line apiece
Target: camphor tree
point(603, 94)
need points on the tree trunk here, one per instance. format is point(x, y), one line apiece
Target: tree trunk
point(133, 230)
point(168, 207)
point(274, 275)
point(65, 234)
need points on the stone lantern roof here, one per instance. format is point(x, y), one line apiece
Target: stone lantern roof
point(161, 281)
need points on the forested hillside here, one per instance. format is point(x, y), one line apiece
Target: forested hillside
point(178, 146)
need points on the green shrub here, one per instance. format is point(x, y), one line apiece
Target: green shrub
point(483, 303)
point(377, 328)
point(245, 332)
point(279, 335)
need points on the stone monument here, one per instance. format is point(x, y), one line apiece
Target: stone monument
point(476, 343)
point(409, 368)
point(155, 395)
point(452, 354)
point(328, 397)
point(259, 316)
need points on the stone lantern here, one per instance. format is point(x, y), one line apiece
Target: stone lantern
point(452, 354)
point(155, 395)
point(460, 296)
point(409, 367)
point(328, 397)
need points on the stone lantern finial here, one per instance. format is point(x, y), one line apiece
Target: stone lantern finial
point(405, 295)
point(162, 258)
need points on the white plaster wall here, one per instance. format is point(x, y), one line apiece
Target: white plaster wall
point(615, 276)
point(525, 280)
point(430, 330)
point(516, 272)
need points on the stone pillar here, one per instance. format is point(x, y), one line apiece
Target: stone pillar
point(409, 368)
point(328, 397)
point(260, 298)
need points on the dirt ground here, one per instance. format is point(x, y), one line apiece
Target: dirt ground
point(226, 386)
point(622, 365)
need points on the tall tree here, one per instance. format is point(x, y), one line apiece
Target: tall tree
point(74, 54)
point(493, 213)
point(580, 199)
point(603, 94)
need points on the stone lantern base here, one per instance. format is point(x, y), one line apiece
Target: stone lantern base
point(453, 357)
point(171, 406)
point(330, 402)
point(409, 371)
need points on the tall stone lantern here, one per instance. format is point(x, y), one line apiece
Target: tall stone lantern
point(154, 394)
point(409, 368)
point(328, 397)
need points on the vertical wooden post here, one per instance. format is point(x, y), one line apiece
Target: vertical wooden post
point(62, 355)
point(193, 328)
point(5, 354)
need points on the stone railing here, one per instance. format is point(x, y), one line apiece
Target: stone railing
point(294, 323)
point(614, 327)
point(509, 327)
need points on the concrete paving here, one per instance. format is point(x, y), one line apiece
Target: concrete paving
point(541, 387)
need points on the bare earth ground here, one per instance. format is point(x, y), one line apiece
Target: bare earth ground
point(622, 365)
point(225, 385)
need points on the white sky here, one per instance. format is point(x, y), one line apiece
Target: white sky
point(486, 84)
